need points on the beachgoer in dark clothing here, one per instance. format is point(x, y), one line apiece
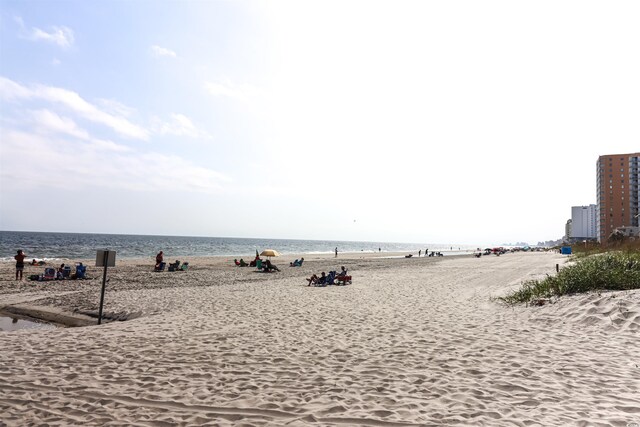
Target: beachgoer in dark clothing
point(19, 263)
point(315, 280)
point(419, 253)
point(268, 267)
point(336, 252)
point(159, 259)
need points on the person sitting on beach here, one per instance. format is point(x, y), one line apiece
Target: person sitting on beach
point(236, 262)
point(254, 262)
point(297, 263)
point(60, 272)
point(34, 262)
point(315, 280)
point(19, 263)
point(242, 263)
point(268, 267)
point(343, 272)
point(159, 259)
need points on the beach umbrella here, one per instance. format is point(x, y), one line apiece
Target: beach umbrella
point(269, 253)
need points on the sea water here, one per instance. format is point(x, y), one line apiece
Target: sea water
point(83, 246)
point(8, 324)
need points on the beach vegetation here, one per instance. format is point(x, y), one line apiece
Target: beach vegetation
point(610, 271)
point(591, 247)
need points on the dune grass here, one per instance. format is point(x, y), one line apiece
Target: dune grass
point(606, 271)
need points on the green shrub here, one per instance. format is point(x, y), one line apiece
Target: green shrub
point(608, 271)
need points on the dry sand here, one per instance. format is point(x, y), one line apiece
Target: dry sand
point(411, 342)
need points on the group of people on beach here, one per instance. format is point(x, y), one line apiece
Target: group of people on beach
point(62, 272)
point(324, 279)
point(266, 266)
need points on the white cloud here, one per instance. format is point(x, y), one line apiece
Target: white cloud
point(55, 162)
point(62, 36)
point(117, 108)
point(11, 90)
point(51, 121)
point(48, 122)
point(180, 125)
point(228, 89)
point(158, 51)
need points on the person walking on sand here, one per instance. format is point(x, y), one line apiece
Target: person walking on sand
point(419, 253)
point(19, 263)
point(336, 252)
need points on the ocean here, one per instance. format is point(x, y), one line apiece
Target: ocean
point(50, 246)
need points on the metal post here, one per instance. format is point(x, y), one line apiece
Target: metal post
point(104, 282)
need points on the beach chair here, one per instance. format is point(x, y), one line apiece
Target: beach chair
point(174, 266)
point(66, 272)
point(49, 274)
point(259, 264)
point(184, 266)
point(160, 267)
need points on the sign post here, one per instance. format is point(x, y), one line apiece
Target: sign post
point(104, 258)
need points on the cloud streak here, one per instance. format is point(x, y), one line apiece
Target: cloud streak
point(12, 91)
point(61, 36)
point(159, 52)
point(242, 92)
point(180, 125)
point(95, 164)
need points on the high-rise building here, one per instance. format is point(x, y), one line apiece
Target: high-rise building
point(618, 193)
point(567, 231)
point(583, 222)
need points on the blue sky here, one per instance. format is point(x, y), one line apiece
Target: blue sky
point(462, 122)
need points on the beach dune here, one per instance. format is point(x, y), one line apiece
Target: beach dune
point(416, 341)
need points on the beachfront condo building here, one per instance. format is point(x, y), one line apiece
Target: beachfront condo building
point(618, 195)
point(583, 222)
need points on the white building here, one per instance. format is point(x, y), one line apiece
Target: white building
point(583, 222)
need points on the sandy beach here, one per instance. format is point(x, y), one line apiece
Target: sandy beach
point(412, 342)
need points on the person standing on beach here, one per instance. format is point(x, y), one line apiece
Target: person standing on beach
point(19, 263)
point(419, 253)
point(336, 252)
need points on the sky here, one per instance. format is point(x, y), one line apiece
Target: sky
point(430, 122)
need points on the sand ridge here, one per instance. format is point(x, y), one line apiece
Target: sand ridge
point(411, 342)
